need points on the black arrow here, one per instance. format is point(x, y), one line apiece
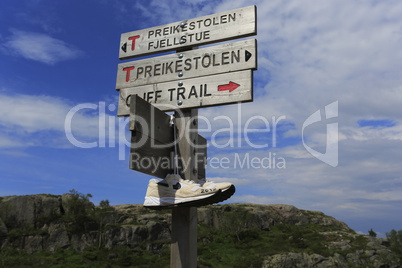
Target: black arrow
point(124, 47)
point(248, 55)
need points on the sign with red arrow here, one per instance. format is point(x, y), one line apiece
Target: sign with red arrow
point(220, 89)
point(231, 86)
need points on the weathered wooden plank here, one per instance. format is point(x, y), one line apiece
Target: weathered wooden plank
point(159, 162)
point(241, 55)
point(146, 158)
point(220, 89)
point(149, 120)
point(196, 31)
point(152, 143)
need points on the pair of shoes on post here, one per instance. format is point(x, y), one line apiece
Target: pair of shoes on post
point(173, 191)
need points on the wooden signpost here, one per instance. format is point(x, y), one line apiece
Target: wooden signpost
point(184, 81)
point(197, 92)
point(214, 28)
point(225, 58)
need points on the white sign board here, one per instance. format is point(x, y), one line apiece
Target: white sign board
point(197, 31)
point(225, 58)
point(197, 92)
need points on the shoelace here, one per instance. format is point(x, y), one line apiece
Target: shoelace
point(176, 160)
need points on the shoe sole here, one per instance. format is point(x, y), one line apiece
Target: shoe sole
point(218, 197)
point(193, 203)
point(226, 194)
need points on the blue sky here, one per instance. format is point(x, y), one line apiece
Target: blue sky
point(326, 113)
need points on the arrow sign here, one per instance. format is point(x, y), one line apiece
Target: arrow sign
point(198, 92)
point(209, 29)
point(124, 47)
point(230, 57)
point(231, 86)
point(248, 55)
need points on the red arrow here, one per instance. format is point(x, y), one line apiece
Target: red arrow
point(231, 86)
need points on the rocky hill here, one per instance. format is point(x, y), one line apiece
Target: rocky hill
point(234, 235)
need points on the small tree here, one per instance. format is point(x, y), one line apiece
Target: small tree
point(79, 211)
point(101, 216)
point(395, 239)
point(104, 204)
point(239, 222)
point(372, 233)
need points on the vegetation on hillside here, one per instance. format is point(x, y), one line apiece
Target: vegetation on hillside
point(395, 239)
point(235, 243)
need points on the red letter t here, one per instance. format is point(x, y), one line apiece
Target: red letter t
point(128, 70)
point(133, 38)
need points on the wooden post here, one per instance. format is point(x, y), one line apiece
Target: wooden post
point(183, 251)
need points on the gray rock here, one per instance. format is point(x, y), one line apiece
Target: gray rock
point(264, 216)
point(374, 243)
point(297, 260)
point(28, 210)
point(130, 236)
point(342, 245)
point(157, 231)
point(58, 237)
point(359, 258)
point(356, 259)
point(33, 244)
point(83, 241)
point(18, 210)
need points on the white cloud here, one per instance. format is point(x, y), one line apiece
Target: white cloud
point(235, 181)
point(28, 120)
point(32, 113)
point(39, 47)
point(8, 142)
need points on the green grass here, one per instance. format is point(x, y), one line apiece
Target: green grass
point(220, 248)
point(217, 247)
point(117, 257)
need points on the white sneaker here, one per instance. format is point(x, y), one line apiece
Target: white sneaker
point(227, 189)
point(223, 186)
point(173, 191)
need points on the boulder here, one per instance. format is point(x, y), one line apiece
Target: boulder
point(28, 210)
point(33, 243)
point(57, 238)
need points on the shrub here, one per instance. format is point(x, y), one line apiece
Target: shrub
point(78, 212)
point(372, 233)
point(395, 239)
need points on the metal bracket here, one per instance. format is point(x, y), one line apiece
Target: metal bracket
point(172, 120)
